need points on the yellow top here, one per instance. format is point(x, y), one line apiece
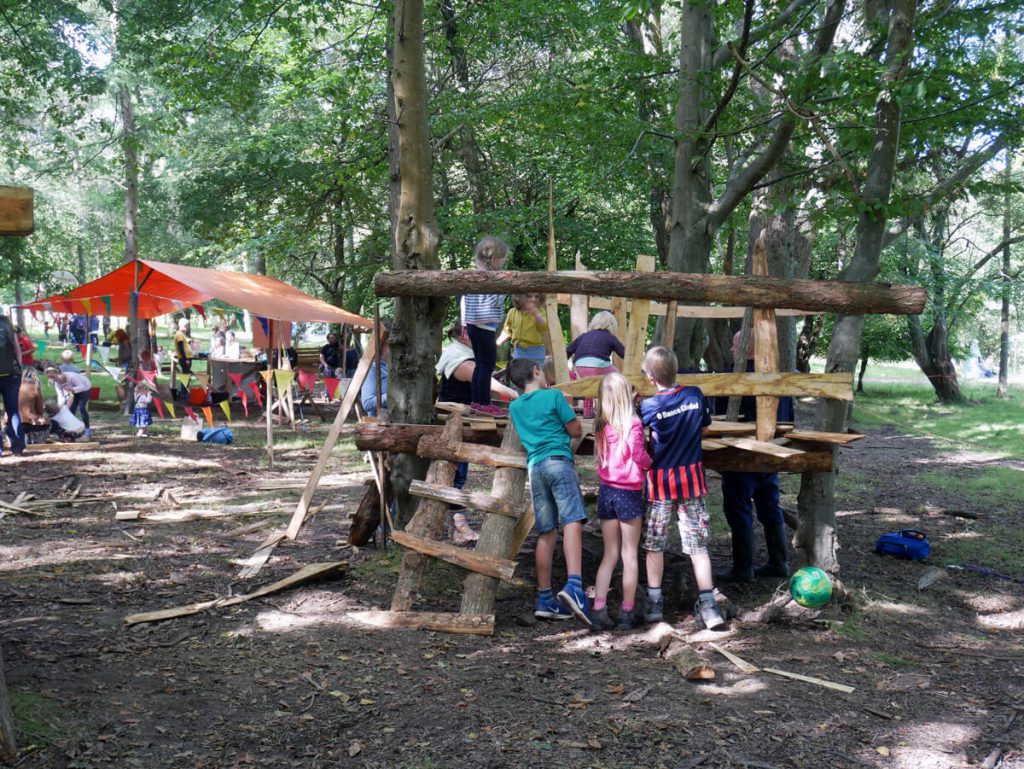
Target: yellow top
point(523, 329)
point(179, 336)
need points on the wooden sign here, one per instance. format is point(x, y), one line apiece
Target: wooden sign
point(16, 211)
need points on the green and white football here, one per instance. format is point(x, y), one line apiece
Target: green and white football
point(810, 587)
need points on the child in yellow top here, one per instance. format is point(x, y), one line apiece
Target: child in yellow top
point(526, 326)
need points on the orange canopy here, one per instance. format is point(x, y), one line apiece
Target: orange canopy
point(165, 288)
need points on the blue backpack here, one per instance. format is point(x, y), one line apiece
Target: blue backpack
point(221, 435)
point(908, 544)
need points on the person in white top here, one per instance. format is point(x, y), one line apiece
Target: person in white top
point(76, 387)
point(232, 350)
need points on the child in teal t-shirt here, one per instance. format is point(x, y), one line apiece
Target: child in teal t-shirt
point(546, 424)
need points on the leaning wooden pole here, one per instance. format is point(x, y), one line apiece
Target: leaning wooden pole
point(497, 531)
point(849, 297)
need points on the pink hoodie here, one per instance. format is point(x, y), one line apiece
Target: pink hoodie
point(624, 472)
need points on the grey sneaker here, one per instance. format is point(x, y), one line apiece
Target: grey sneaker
point(709, 615)
point(654, 609)
point(600, 621)
point(628, 619)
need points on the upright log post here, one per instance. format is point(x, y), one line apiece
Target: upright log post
point(618, 310)
point(636, 335)
point(497, 531)
point(766, 349)
point(579, 307)
point(8, 747)
point(427, 521)
point(556, 339)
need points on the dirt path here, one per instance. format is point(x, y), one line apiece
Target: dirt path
point(289, 680)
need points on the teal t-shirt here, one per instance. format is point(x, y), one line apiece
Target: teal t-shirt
point(540, 418)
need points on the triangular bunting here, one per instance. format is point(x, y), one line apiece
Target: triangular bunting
point(245, 402)
point(264, 325)
point(186, 380)
point(149, 375)
point(83, 349)
point(200, 310)
point(159, 406)
point(237, 379)
point(283, 379)
point(170, 407)
point(240, 317)
point(220, 312)
point(208, 413)
point(266, 376)
point(225, 406)
point(256, 389)
point(106, 303)
point(41, 346)
point(191, 413)
point(87, 303)
point(307, 380)
point(105, 354)
point(178, 305)
point(331, 384)
point(134, 302)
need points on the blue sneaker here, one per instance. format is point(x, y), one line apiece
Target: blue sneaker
point(550, 609)
point(575, 600)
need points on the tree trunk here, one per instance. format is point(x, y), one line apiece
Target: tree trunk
point(748, 291)
point(816, 538)
point(8, 747)
point(863, 368)
point(416, 335)
point(1004, 312)
point(19, 294)
point(807, 343)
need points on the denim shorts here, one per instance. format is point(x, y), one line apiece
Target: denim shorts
point(555, 489)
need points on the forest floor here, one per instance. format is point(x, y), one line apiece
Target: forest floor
point(290, 680)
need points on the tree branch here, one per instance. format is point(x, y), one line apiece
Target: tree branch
point(734, 81)
point(723, 54)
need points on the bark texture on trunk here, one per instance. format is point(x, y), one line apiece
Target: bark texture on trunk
point(1004, 311)
point(8, 746)
point(416, 335)
point(815, 539)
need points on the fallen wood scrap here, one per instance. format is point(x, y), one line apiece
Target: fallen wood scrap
point(750, 669)
point(48, 448)
point(11, 508)
point(304, 574)
point(183, 516)
point(469, 624)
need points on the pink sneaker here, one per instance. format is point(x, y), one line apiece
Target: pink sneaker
point(490, 410)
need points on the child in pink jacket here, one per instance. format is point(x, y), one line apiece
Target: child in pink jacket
point(621, 462)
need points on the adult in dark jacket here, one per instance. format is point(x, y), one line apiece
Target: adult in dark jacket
point(10, 384)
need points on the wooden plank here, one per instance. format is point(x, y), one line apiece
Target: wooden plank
point(468, 624)
point(736, 660)
point(17, 210)
point(766, 349)
point(668, 338)
point(431, 447)
point(810, 680)
point(660, 309)
point(304, 574)
point(481, 563)
point(836, 386)
point(822, 437)
point(555, 337)
point(636, 335)
point(471, 499)
point(760, 447)
point(724, 427)
point(522, 531)
point(427, 521)
point(617, 306)
point(734, 460)
point(579, 307)
point(351, 394)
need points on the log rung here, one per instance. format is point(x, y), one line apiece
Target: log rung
point(431, 447)
point(475, 500)
point(471, 624)
point(488, 565)
point(760, 447)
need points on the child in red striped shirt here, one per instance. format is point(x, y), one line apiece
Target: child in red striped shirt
point(678, 417)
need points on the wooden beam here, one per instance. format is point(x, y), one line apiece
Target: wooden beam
point(555, 337)
point(760, 447)
point(849, 297)
point(766, 349)
point(481, 563)
point(668, 338)
point(734, 460)
point(470, 624)
point(404, 438)
point(617, 306)
point(660, 309)
point(472, 499)
point(636, 335)
point(821, 437)
point(17, 210)
point(836, 386)
point(579, 307)
point(427, 521)
point(435, 448)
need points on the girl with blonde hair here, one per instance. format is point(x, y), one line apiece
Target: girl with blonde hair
point(621, 461)
point(592, 351)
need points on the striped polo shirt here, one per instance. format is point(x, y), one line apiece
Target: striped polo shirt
point(675, 416)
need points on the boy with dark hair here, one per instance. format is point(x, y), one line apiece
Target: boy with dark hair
point(546, 423)
point(678, 417)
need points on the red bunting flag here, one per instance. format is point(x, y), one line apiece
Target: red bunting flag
point(245, 402)
point(202, 314)
point(307, 380)
point(332, 384)
point(191, 414)
point(159, 407)
point(149, 375)
point(83, 349)
point(237, 379)
point(256, 389)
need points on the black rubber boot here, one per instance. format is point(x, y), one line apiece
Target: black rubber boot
point(742, 558)
point(778, 560)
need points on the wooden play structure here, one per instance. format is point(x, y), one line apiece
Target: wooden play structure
point(764, 446)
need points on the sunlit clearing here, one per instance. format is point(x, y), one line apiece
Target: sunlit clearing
point(987, 602)
point(15, 558)
point(932, 745)
point(742, 687)
point(905, 609)
point(282, 622)
point(574, 643)
point(118, 578)
point(1010, 620)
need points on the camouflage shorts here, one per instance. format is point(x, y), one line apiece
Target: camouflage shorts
point(694, 529)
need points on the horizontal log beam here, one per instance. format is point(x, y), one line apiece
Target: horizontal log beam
point(836, 386)
point(684, 310)
point(472, 499)
point(403, 438)
point(733, 460)
point(849, 297)
point(760, 447)
point(815, 436)
point(467, 624)
point(481, 563)
point(430, 447)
